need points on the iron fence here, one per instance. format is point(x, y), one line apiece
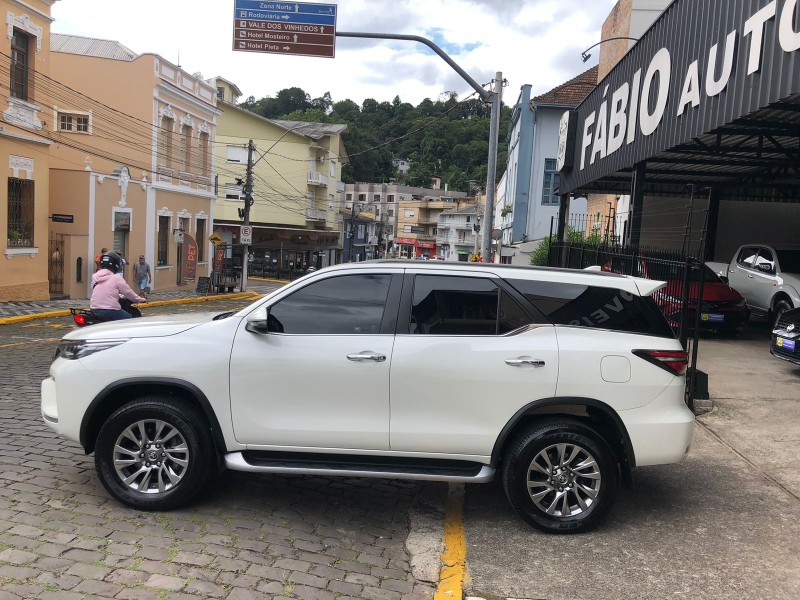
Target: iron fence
point(680, 299)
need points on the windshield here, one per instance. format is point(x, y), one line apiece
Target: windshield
point(789, 260)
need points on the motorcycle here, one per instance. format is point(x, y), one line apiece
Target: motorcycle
point(85, 316)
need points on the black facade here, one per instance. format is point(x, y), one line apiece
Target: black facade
point(710, 95)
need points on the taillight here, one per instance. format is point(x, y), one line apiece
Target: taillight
point(674, 361)
point(80, 320)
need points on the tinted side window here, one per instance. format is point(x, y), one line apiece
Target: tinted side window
point(589, 306)
point(765, 258)
point(747, 256)
point(350, 304)
point(454, 306)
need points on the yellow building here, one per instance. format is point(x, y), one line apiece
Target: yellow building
point(131, 164)
point(297, 186)
point(25, 151)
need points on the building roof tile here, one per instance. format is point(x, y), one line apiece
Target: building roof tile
point(572, 92)
point(74, 44)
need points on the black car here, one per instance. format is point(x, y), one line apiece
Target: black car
point(785, 343)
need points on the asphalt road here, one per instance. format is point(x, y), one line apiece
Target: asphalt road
point(248, 536)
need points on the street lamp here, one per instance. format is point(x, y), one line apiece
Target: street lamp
point(585, 54)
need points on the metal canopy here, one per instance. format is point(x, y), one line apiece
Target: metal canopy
point(753, 158)
point(709, 96)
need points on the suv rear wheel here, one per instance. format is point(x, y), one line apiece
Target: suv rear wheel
point(154, 453)
point(560, 476)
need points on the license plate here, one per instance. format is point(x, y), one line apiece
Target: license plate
point(712, 318)
point(786, 344)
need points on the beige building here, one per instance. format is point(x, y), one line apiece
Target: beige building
point(131, 165)
point(296, 187)
point(25, 152)
point(607, 215)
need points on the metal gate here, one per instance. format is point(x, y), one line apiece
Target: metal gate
point(55, 268)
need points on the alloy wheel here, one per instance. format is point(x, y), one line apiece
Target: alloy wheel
point(151, 456)
point(564, 480)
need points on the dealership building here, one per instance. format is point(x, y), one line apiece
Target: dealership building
point(699, 124)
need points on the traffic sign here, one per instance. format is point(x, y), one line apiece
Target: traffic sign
point(295, 28)
point(216, 239)
point(245, 234)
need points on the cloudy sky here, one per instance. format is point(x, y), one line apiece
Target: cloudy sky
point(530, 41)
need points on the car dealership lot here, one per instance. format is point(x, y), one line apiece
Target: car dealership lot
point(725, 523)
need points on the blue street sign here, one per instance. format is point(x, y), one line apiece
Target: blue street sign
point(298, 28)
point(275, 17)
point(287, 7)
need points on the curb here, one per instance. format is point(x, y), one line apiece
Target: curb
point(268, 280)
point(65, 312)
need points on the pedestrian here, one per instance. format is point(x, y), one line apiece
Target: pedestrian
point(98, 257)
point(122, 263)
point(142, 276)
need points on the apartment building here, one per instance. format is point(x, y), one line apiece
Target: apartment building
point(25, 150)
point(132, 169)
point(399, 220)
point(458, 233)
point(297, 185)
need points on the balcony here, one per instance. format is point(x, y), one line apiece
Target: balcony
point(319, 179)
point(313, 214)
point(165, 174)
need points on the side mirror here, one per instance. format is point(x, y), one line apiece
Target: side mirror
point(723, 278)
point(257, 321)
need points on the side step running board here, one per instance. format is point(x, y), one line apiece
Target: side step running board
point(328, 465)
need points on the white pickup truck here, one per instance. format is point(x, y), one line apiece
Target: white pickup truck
point(767, 277)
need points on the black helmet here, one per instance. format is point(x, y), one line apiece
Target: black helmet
point(110, 261)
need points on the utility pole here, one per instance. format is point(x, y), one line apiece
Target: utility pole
point(352, 230)
point(491, 175)
point(494, 97)
point(248, 202)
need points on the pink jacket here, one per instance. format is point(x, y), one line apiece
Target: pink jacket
point(106, 288)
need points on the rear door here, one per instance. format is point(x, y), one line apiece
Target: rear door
point(468, 354)
point(765, 279)
point(742, 273)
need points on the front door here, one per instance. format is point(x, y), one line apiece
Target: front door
point(320, 377)
point(469, 357)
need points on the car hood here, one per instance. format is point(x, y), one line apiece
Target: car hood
point(143, 327)
point(791, 316)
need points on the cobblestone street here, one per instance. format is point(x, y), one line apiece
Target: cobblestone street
point(248, 536)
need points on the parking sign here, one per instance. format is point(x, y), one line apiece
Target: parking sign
point(246, 234)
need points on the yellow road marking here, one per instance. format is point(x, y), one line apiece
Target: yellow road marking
point(64, 313)
point(28, 342)
point(454, 556)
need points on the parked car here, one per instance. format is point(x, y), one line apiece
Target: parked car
point(557, 382)
point(722, 307)
point(785, 342)
point(767, 277)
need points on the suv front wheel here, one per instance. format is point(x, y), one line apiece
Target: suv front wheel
point(560, 476)
point(153, 453)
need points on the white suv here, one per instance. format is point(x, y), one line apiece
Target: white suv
point(558, 382)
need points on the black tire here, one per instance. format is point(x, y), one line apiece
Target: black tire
point(544, 437)
point(780, 307)
point(190, 443)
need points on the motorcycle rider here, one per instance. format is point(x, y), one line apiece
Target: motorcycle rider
point(107, 288)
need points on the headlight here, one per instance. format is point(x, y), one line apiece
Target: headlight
point(73, 350)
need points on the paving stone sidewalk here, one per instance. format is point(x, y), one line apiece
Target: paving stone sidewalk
point(14, 309)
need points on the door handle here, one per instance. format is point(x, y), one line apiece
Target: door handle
point(524, 362)
point(366, 355)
